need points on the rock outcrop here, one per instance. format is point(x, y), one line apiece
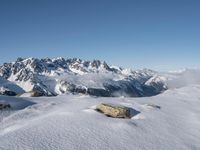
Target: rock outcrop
point(116, 111)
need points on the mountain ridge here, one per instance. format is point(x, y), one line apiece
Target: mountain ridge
point(50, 77)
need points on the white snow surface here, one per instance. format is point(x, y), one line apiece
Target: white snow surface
point(68, 122)
point(7, 85)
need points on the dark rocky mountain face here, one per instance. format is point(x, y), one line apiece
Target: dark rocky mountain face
point(50, 77)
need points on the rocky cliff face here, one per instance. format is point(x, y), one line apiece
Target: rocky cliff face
point(51, 77)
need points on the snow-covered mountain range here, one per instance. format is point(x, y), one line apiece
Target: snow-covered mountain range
point(50, 77)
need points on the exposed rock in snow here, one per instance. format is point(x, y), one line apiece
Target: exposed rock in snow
point(116, 111)
point(152, 106)
point(6, 91)
point(4, 106)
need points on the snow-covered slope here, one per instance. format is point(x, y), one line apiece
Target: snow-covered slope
point(9, 88)
point(58, 76)
point(168, 121)
point(70, 122)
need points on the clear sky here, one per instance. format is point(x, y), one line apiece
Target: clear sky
point(157, 34)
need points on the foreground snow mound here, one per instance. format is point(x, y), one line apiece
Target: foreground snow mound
point(166, 122)
point(50, 77)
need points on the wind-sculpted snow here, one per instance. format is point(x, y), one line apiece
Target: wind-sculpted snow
point(168, 121)
point(50, 77)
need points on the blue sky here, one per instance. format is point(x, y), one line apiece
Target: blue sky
point(157, 34)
